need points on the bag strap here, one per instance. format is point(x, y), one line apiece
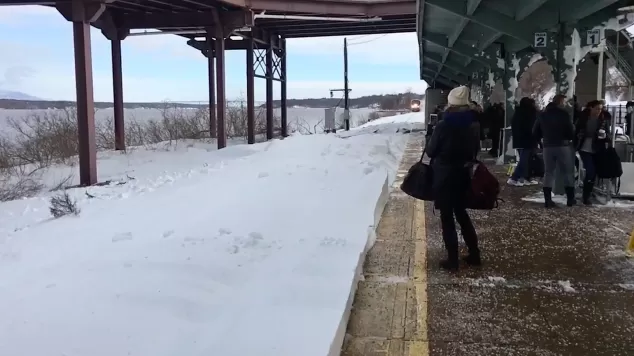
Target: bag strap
point(423, 155)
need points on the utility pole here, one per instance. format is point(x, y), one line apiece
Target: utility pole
point(346, 89)
point(346, 100)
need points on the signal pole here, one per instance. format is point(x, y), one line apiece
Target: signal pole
point(346, 89)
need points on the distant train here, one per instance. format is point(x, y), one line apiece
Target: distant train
point(415, 105)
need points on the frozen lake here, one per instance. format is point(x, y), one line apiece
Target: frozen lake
point(308, 117)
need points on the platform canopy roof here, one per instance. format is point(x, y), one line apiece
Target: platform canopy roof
point(189, 18)
point(452, 34)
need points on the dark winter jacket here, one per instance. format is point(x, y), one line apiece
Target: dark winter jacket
point(554, 125)
point(581, 132)
point(495, 120)
point(455, 142)
point(522, 127)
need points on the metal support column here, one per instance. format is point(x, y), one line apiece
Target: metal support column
point(509, 103)
point(117, 95)
point(85, 99)
point(269, 89)
point(212, 83)
point(486, 89)
point(283, 83)
point(221, 106)
point(601, 67)
point(250, 92)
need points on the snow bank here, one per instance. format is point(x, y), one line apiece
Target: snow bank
point(615, 203)
point(409, 120)
point(251, 250)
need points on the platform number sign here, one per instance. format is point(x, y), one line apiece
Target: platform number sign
point(541, 39)
point(593, 37)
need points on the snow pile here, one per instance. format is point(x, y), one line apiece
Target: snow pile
point(566, 286)
point(201, 251)
point(560, 199)
point(409, 120)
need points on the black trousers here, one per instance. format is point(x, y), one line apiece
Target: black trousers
point(449, 234)
point(495, 141)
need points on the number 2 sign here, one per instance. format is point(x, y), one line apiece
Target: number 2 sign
point(541, 39)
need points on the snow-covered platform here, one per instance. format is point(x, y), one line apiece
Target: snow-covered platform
point(252, 250)
point(555, 282)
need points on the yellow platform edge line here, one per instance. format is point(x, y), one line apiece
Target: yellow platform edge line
point(420, 347)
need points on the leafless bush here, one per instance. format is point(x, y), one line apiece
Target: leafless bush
point(374, 115)
point(617, 85)
point(62, 204)
point(300, 125)
point(43, 138)
point(16, 183)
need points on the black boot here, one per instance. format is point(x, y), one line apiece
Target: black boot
point(473, 259)
point(451, 264)
point(548, 198)
point(570, 196)
point(588, 187)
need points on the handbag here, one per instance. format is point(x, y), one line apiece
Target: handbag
point(418, 181)
point(536, 166)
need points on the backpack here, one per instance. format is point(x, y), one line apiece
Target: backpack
point(485, 188)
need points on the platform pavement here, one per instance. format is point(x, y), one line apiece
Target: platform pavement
point(555, 282)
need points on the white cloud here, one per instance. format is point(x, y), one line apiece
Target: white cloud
point(30, 66)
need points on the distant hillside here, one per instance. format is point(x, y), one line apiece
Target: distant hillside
point(387, 102)
point(45, 104)
point(16, 95)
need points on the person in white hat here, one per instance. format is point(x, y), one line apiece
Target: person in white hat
point(454, 143)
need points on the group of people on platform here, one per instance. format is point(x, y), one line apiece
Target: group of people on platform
point(561, 134)
point(455, 141)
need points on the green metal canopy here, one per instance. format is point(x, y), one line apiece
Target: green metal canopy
point(458, 38)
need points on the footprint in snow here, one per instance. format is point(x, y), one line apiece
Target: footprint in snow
point(122, 237)
point(263, 174)
point(168, 233)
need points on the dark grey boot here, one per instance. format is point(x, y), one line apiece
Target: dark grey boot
point(570, 196)
point(548, 198)
point(588, 187)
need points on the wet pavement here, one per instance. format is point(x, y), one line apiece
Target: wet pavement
point(554, 282)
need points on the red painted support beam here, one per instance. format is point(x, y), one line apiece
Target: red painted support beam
point(220, 87)
point(250, 92)
point(85, 99)
point(283, 83)
point(269, 91)
point(117, 95)
point(212, 85)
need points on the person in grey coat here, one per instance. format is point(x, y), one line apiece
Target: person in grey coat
point(555, 127)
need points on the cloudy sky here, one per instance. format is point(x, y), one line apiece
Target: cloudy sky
point(37, 59)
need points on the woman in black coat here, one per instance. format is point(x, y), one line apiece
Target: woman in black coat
point(522, 130)
point(454, 144)
point(592, 135)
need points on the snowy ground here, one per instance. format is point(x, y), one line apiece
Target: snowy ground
point(560, 199)
point(251, 250)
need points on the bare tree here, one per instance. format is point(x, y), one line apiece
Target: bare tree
point(536, 82)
